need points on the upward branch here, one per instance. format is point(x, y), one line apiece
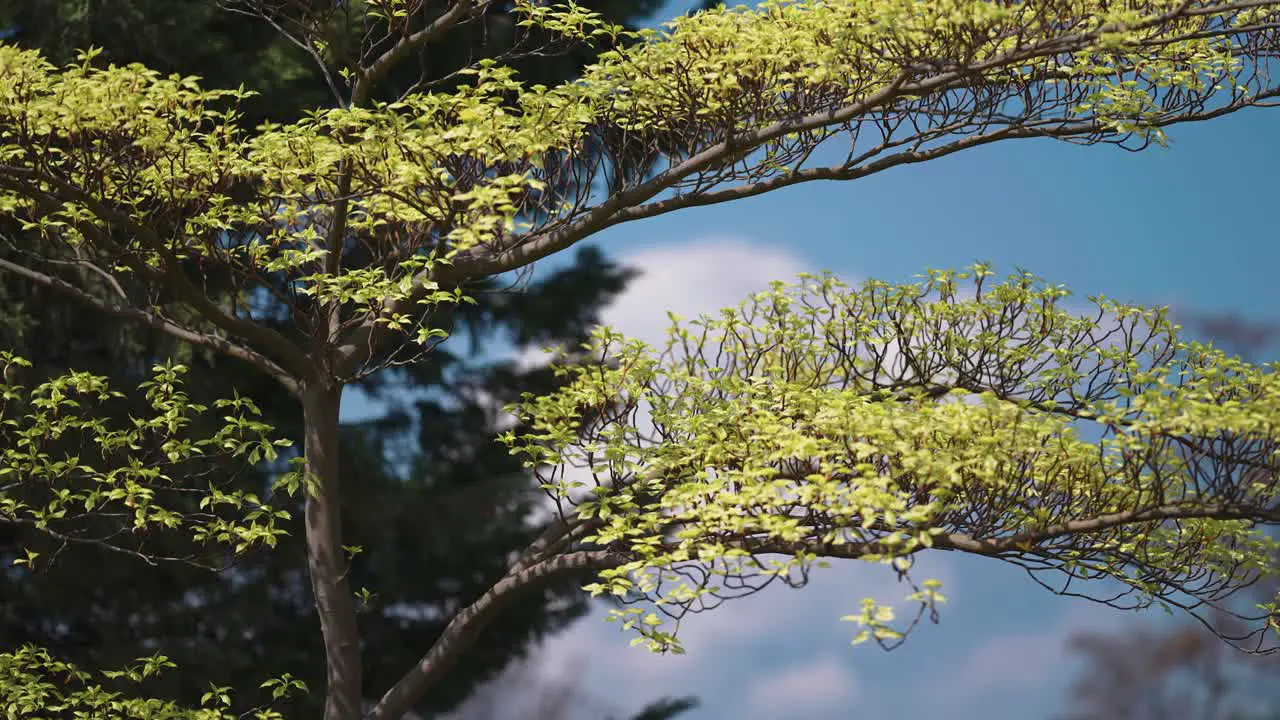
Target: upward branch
point(410, 43)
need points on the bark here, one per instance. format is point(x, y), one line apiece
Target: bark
point(334, 600)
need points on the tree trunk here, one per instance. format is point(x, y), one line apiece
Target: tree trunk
point(325, 562)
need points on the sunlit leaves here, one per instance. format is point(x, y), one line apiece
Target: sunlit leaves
point(881, 421)
point(434, 175)
point(749, 67)
point(812, 421)
point(67, 471)
point(35, 684)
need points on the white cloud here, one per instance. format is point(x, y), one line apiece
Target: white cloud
point(700, 277)
point(769, 638)
point(691, 279)
point(1022, 658)
point(823, 687)
point(831, 594)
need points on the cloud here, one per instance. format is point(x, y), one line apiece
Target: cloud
point(821, 688)
point(1026, 658)
point(767, 641)
point(695, 278)
point(690, 279)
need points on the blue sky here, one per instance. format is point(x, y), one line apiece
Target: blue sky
point(1188, 226)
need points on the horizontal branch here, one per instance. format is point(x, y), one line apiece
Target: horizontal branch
point(157, 321)
point(149, 559)
point(463, 630)
point(614, 210)
point(362, 341)
point(295, 360)
point(1159, 513)
point(1019, 543)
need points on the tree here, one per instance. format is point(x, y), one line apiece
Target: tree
point(1183, 673)
point(814, 421)
point(477, 503)
point(191, 37)
point(101, 614)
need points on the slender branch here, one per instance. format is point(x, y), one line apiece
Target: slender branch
point(158, 321)
point(845, 172)
point(408, 44)
point(309, 48)
point(970, 544)
point(1017, 543)
point(149, 559)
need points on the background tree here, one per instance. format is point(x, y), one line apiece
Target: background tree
point(1184, 672)
point(229, 44)
point(815, 421)
point(427, 455)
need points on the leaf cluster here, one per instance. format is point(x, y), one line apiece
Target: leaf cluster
point(816, 420)
point(69, 473)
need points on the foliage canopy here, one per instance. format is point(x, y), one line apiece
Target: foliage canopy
point(426, 462)
point(813, 421)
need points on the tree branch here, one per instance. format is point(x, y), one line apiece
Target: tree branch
point(555, 535)
point(159, 322)
point(363, 340)
point(909, 157)
point(977, 546)
point(295, 360)
point(464, 629)
point(408, 44)
point(149, 559)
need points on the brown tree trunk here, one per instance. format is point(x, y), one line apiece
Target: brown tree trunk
point(325, 562)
